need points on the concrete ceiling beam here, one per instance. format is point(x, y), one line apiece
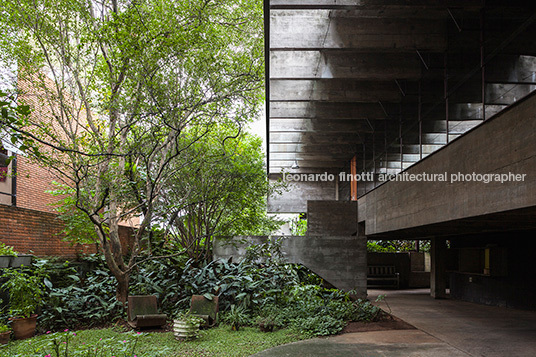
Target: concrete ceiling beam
point(307, 164)
point(334, 90)
point(295, 30)
point(343, 64)
point(351, 4)
point(314, 138)
point(335, 148)
point(306, 156)
point(319, 125)
point(328, 110)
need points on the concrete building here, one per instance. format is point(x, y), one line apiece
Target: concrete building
point(430, 106)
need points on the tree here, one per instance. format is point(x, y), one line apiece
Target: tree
point(222, 195)
point(114, 85)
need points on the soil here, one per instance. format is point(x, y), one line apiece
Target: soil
point(387, 322)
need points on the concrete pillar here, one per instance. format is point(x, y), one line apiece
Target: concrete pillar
point(438, 283)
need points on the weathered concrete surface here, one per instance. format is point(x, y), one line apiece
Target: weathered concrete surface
point(344, 64)
point(316, 29)
point(340, 260)
point(438, 276)
point(336, 218)
point(381, 4)
point(476, 329)
point(502, 145)
point(295, 200)
point(326, 110)
point(335, 90)
point(370, 344)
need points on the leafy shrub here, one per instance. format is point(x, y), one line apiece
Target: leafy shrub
point(7, 250)
point(25, 291)
point(236, 317)
point(77, 299)
point(259, 285)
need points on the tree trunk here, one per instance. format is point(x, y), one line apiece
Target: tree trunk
point(123, 282)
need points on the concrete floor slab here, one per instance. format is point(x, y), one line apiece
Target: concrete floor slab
point(478, 330)
point(446, 328)
point(367, 344)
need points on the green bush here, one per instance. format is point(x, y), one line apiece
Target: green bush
point(259, 285)
point(7, 250)
point(25, 292)
point(76, 299)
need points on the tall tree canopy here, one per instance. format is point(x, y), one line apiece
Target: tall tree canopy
point(115, 85)
point(222, 195)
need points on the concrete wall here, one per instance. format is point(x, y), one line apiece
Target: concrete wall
point(332, 218)
point(295, 199)
point(503, 144)
point(340, 260)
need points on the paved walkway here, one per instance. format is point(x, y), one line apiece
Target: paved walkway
point(475, 329)
point(444, 328)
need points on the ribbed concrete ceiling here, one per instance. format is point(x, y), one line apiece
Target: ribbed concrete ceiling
point(370, 77)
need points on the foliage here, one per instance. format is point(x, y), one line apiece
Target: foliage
point(25, 292)
point(78, 299)
point(384, 299)
point(7, 250)
point(367, 311)
point(236, 317)
point(77, 226)
point(254, 281)
point(62, 340)
point(396, 246)
point(78, 344)
point(315, 311)
point(218, 341)
point(222, 194)
point(115, 86)
point(298, 225)
point(189, 318)
point(13, 114)
point(4, 328)
point(261, 285)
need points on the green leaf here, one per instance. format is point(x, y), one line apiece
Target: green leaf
point(48, 283)
point(74, 277)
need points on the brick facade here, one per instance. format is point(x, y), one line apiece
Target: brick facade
point(33, 182)
point(38, 232)
point(33, 226)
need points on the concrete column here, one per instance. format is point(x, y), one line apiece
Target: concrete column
point(438, 283)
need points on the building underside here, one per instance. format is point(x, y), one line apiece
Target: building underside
point(411, 87)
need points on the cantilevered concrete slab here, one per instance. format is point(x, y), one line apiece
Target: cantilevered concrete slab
point(504, 145)
point(411, 75)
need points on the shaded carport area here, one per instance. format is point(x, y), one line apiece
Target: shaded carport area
point(474, 329)
point(444, 328)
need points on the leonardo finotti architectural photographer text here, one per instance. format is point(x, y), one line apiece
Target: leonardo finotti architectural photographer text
point(407, 177)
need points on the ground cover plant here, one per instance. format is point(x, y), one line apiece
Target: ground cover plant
point(259, 287)
point(219, 341)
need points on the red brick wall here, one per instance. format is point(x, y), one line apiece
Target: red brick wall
point(32, 183)
point(28, 230)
